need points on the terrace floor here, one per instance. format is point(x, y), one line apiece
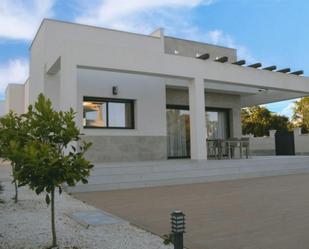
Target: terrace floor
point(260, 213)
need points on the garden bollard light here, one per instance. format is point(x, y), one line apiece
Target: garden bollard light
point(178, 228)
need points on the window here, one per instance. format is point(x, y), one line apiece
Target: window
point(217, 122)
point(108, 113)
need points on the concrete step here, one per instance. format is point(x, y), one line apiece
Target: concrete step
point(158, 173)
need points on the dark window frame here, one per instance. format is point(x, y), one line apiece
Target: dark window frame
point(112, 100)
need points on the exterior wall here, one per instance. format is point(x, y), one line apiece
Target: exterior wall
point(126, 148)
point(262, 146)
point(37, 65)
point(2, 108)
point(15, 98)
point(26, 95)
point(301, 142)
point(52, 89)
point(217, 100)
point(192, 48)
point(148, 140)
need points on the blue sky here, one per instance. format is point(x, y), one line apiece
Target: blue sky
point(268, 31)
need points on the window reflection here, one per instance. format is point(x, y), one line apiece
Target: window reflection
point(107, 113)
point(217, 124)
point(94, 114)
point(178, 129)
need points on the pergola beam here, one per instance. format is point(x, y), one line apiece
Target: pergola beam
point(284, 70)
point(255, 65)
point(270, 68)
point(239, 63)
point(222, 59)
point(203, 56)
point(300, 72)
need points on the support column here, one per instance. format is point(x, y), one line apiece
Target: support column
point(69, 89)
point(197, 119)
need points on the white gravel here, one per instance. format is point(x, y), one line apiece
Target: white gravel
point(26, 225)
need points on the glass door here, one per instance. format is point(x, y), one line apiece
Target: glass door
point(178, 133)
point(217, 124)
point(178, 128)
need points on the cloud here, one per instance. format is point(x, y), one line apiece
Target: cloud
point(218, 37)
point(283, 107)
point(15, 71)
point(137, 15)
point(109, 12)
point(20, 19)
point(289, 109)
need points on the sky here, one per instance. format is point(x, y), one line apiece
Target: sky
point(274, 32)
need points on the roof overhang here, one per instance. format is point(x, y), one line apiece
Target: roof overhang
point(132, 53)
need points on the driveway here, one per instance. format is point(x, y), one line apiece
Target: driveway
point(260, 213)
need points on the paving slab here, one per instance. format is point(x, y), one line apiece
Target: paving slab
point(260, 213)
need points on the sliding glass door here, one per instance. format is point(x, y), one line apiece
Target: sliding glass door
point(217, 124)
point(178, 133)
point(178, 128)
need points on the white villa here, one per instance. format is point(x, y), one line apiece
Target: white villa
point(146, 97)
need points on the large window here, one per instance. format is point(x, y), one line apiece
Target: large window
point(108, 113)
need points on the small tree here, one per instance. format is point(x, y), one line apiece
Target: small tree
point(13, 137)
point(300, 116)
point(49, 158)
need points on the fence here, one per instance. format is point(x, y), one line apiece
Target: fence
point(266, 146)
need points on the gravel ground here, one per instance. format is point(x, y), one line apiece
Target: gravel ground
point(26, 225)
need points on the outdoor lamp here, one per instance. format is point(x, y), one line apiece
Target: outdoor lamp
point(178, 222)
point(178, 228)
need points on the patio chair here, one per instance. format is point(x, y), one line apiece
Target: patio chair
point(245, 143)
point(213, 149)
point(233, 144)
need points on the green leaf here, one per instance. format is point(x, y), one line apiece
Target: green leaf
point(60, 190)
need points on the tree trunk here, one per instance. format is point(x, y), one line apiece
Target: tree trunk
point(15, 184)
point(16, 191)
point(53, 218)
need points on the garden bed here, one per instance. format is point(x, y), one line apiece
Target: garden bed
point(26, 225)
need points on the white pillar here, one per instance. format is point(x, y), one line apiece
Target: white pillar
point(197, 119)
point(69, 93)
point(272, 133)
point(68, 85)
point(69, 89)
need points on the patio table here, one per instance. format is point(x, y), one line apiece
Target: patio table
point(218, 147)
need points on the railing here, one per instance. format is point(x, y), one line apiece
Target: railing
point(228, 148)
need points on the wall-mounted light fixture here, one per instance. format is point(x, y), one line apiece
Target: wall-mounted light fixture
point(115, 90)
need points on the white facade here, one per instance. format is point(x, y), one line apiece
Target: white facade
point(69, 62)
